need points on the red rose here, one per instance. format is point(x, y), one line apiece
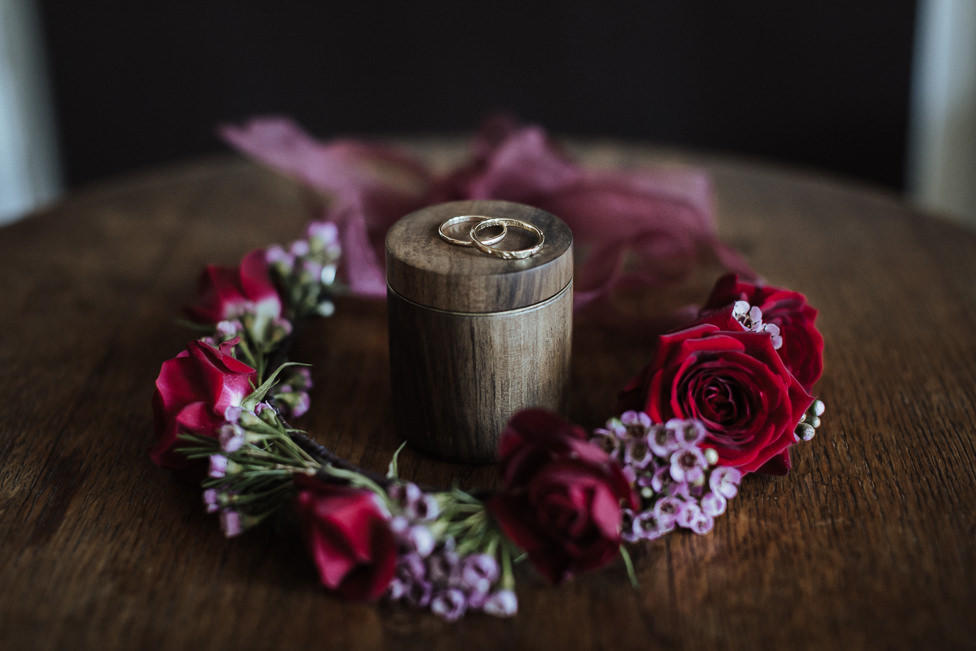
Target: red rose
point(735, 383)
point(226, 292)
point(193, 391)
point(802, 349)
point(349, 538)
point(562, 495)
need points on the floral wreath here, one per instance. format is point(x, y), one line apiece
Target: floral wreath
point(724, 395)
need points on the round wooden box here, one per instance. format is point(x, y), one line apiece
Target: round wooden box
point(473, 337)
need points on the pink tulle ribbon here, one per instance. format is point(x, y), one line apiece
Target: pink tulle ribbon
point(632, 228)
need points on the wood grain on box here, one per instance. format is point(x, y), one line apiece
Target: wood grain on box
point(474, 338)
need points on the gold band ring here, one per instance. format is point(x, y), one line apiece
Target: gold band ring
point(468, 219)
point(485, 245)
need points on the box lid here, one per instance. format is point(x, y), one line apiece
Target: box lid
point(427, 270)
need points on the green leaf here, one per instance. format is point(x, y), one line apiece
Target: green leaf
point(393, 472)
point(259, 393)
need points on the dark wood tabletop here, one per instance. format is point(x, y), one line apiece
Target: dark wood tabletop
point(868, 543)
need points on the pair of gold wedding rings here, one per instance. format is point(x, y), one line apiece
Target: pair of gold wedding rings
point(480, 224)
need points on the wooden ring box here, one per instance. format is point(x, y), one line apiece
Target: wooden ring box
point(475, 338)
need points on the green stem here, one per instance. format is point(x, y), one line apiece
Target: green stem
point(508, 577)
point(358, 480)
point(629, 564)
point(281, 461)
point(287, 442)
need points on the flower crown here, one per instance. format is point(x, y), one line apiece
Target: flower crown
point(725, 395)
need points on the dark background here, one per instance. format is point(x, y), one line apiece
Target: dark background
point(822, 84)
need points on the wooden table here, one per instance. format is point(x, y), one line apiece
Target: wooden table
point(869, 543)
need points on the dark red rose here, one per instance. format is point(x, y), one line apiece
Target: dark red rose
point(562, 495)
point(348, 537)
point(226, 292)
point(193, 391)
point(802, 349)
point(735, 383)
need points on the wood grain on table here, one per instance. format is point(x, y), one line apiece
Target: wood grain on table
point(869, 543)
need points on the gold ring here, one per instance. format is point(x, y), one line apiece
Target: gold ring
point(485, 245)
point(467, 219)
